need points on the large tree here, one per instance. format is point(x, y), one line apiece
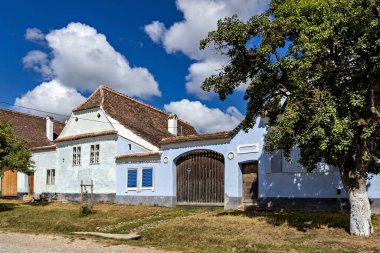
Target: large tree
point(313, 68)
point(14, 153)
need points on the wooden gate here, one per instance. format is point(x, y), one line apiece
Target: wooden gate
point(250, 183)
point(200, 178)
point(9, 183)
point(31, 184)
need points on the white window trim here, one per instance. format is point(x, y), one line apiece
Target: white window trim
point(77, 153)
point(255, 148)
point(153, 178)
point(126, 180)
point(49, 182)
point(139, 187)
point(95, 163)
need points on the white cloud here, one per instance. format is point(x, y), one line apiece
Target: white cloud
point(203, 118)
point(155, 30)
point(34, 35)
point(83, 59)
point(197, 73)
point(39, 62)
point(200, 17)
point(52, 97)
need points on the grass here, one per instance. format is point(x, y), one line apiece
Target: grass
point(196, 230)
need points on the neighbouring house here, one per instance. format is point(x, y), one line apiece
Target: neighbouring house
point(137, 154)
point(39, 133)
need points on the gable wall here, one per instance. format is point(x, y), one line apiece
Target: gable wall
point(88, 122)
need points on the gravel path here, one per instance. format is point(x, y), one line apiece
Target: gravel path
point(17, 243)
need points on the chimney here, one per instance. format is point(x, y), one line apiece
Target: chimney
point(173, 124)
point(49, 128)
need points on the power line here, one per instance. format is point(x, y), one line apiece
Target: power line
point(24, 107)
point(69, 116)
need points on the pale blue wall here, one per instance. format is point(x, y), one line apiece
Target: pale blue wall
point(373, 187)
point(292, 182)
point(163, 180)
point(123, 146)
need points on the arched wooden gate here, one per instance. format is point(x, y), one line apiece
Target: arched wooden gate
point(200, 178)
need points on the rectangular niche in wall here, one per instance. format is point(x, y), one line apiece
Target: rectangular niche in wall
point(248, 148)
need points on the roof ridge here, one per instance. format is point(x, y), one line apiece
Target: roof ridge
point(27, 114)
point(134, 99)
point(92, 94)
point(140, 102)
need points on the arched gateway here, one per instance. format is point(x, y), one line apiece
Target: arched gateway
point(200, 178)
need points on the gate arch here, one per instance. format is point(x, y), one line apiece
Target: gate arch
point(200, 178)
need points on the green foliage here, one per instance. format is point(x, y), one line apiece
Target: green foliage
point(315, 75)
point(13, 152)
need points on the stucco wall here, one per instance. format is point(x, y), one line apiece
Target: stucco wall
point(292, 182)
point(123, 146)
point(44, 160)
point(88, 122)
point(22, 182)
point(69, 176)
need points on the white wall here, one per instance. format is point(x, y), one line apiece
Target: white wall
point(22, 182)
point(44, 160)
point(88, 122)
point(68, 176)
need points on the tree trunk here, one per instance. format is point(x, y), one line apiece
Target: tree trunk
point(360, 218)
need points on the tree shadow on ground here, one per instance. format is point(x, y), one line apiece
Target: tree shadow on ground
point(7, 206)
point(300, 220)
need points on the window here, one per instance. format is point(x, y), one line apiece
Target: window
point(276, 161)
point(147, 178)
point(50, 176)
point(140, 179)
point(132, 179)
point(94, 154)
point(76, 155)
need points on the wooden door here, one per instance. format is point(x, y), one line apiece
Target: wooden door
point(9, 183)
point(200, 178)
point(250, 183)
point(31, 184)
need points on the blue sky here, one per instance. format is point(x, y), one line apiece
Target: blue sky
point(150, 51)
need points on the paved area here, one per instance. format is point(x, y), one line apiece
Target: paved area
point(18, 243)
point(113, 236)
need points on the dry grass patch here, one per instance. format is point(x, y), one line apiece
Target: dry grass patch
point(196, 230)
point(221, 231)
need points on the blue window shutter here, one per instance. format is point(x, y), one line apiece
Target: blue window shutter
point(132, 178)
point(147, 177)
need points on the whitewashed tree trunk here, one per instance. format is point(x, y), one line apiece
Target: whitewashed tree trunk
point(360, 219)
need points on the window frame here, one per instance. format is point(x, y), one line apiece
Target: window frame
point(127, 188)
point(139, 176)
point(50, 179)
point(96, 154)
point(141, 180)
point(77, 155)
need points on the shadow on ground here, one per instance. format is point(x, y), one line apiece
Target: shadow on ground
point(302, 221)
point(7, 206)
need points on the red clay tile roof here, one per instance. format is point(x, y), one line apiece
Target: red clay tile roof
point(139, 155)
point(146, 121)
point(201, 137)
point(30, 128)
point(196, 137)
point(86, 135)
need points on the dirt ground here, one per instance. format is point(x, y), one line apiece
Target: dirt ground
point(31, 243)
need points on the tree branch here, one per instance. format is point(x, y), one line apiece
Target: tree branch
point(374, 110)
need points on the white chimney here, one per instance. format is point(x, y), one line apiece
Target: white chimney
point(173, 124)
point(49, 128)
